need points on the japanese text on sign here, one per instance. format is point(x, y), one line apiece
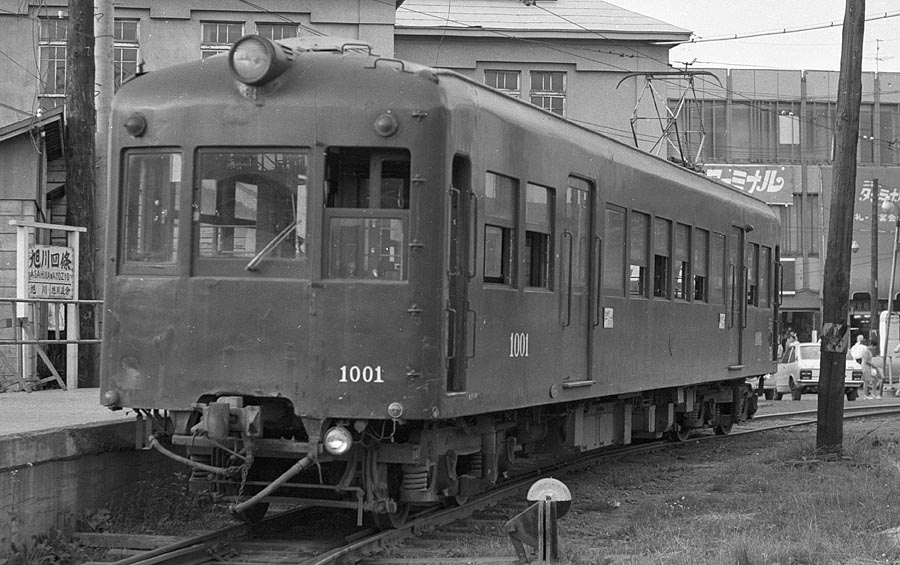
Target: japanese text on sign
point(770, 184)
point(50, 272)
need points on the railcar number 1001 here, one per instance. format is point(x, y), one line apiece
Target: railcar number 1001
point(518, 344)
point(355, 374)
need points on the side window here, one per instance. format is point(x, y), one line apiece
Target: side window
point(638, 246)
point(366, 213)
point(614, 253)
point(765, 278)
point(499, 228)
point(662, 262)
point(717, 269)
point(538, 235)
point(151, 222)
point(753, 274)
point(682, 260)
point(701, 265)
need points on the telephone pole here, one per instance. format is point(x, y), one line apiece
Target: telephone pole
point(80, 155)
point(836, 292)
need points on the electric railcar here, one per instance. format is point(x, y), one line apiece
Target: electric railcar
point(353, 280)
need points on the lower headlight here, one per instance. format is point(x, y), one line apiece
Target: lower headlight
point(338, 440)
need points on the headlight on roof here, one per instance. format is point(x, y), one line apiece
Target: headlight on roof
point(255, 60)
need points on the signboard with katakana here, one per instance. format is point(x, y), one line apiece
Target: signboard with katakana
point(773, 184)
point(50, 272)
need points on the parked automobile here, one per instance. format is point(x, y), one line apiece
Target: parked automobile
point(768, 385)
point(798, 372)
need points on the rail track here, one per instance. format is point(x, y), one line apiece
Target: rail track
point(314, 536)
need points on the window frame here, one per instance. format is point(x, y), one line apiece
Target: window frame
point(495, 84)
point(298, 267)
point(638, 257)
point(127, 266)
point(218, 46)
point(547, 96)
point(121, 45)
point(546, 234)
point(508, 229)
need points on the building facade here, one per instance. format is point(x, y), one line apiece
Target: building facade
point(771, 133)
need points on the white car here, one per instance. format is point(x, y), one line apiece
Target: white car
point(798, 372)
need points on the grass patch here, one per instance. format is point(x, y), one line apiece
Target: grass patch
point(739, 502)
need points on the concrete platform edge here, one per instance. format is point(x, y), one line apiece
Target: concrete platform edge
point(32, 448)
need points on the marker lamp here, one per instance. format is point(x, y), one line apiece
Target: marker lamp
point(338, 440)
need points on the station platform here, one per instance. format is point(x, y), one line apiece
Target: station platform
point(45, 410)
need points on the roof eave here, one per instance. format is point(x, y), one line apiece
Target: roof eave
point(608, 35)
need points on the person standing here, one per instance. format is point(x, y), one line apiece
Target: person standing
point(871, 376)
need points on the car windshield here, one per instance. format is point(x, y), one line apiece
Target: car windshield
point(810, 352)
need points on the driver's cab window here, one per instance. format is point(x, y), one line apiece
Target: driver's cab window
point(250, 210)
point(366, 213)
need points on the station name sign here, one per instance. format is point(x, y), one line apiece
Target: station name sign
point(50, 272)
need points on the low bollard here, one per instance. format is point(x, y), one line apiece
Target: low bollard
point(536, 527)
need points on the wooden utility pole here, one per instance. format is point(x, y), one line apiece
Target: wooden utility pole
point(81, 126)
point(105, 87)
point(836, 292)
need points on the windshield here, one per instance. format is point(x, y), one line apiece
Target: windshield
point(252, 205)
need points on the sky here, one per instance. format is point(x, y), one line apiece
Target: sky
point(805, 50)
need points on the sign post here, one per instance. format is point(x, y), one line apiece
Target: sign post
point(48, 272)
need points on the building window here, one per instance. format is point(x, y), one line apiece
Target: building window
point(701, 265)
point(638, 245)
point(614, 253)
point(52, 46)
point(277, 31)
point(504, 81)
point(499, 228)
point(662, 262)
point(889, 139)
point(682, 261)
point(126, 50)
point(702, 131)
point(217, 37)
point(538, 235)
point(548, 90)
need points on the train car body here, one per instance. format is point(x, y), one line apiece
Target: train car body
point(375, 284)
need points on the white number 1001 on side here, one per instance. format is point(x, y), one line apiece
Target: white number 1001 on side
point(518, 345)
point(355, 374)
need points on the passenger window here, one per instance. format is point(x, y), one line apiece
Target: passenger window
point(640, 235)
point(682, 260)
point(701, 269)
point(765, 280)
point(151, 222)
point(662, 264)
point(753, 274)
point(366, 216)
point(614, 253)
point(499, 228)
point(717, 269)
point(538, 235)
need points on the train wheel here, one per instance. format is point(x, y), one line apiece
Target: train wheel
point(724, 429)
point(679, 433)
point(391, 520)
